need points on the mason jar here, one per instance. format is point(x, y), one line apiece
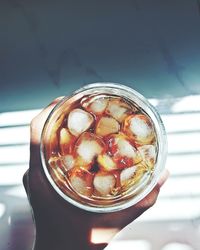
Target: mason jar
point(103, 147)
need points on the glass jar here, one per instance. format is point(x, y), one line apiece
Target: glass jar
point(59, 178)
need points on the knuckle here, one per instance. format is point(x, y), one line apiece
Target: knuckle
point(24, 178)
point(33, 122)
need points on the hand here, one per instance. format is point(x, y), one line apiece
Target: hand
point(60, 225)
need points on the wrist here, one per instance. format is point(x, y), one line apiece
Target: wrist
point(51, 237)
point(51, 243)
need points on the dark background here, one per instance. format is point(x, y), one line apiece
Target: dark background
point(50, 48)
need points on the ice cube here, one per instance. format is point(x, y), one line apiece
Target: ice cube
point(104, 183)
point(81, 181)
point(122, 151)
point(106, 163)
point(140, 128)
point(98, 106)
point(118, 109)
point(79, 121)
point(88, 147)
point(68, 161)
point(141, 175)
point(95, 104)
point(107, 125)
point(65, 140)
point(127, 174)
point(148, 153)
point(125, 148)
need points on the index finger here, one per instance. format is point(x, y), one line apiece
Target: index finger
point(36, 128)
point(38, 122)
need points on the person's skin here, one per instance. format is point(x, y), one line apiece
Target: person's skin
point(60, 225)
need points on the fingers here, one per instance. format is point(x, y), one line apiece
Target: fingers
point(163, 178)
point(25, 182)
point(38, 122)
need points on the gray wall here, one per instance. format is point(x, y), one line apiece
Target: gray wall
point(50, 48)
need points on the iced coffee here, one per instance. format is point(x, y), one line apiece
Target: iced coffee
point(101, 148)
